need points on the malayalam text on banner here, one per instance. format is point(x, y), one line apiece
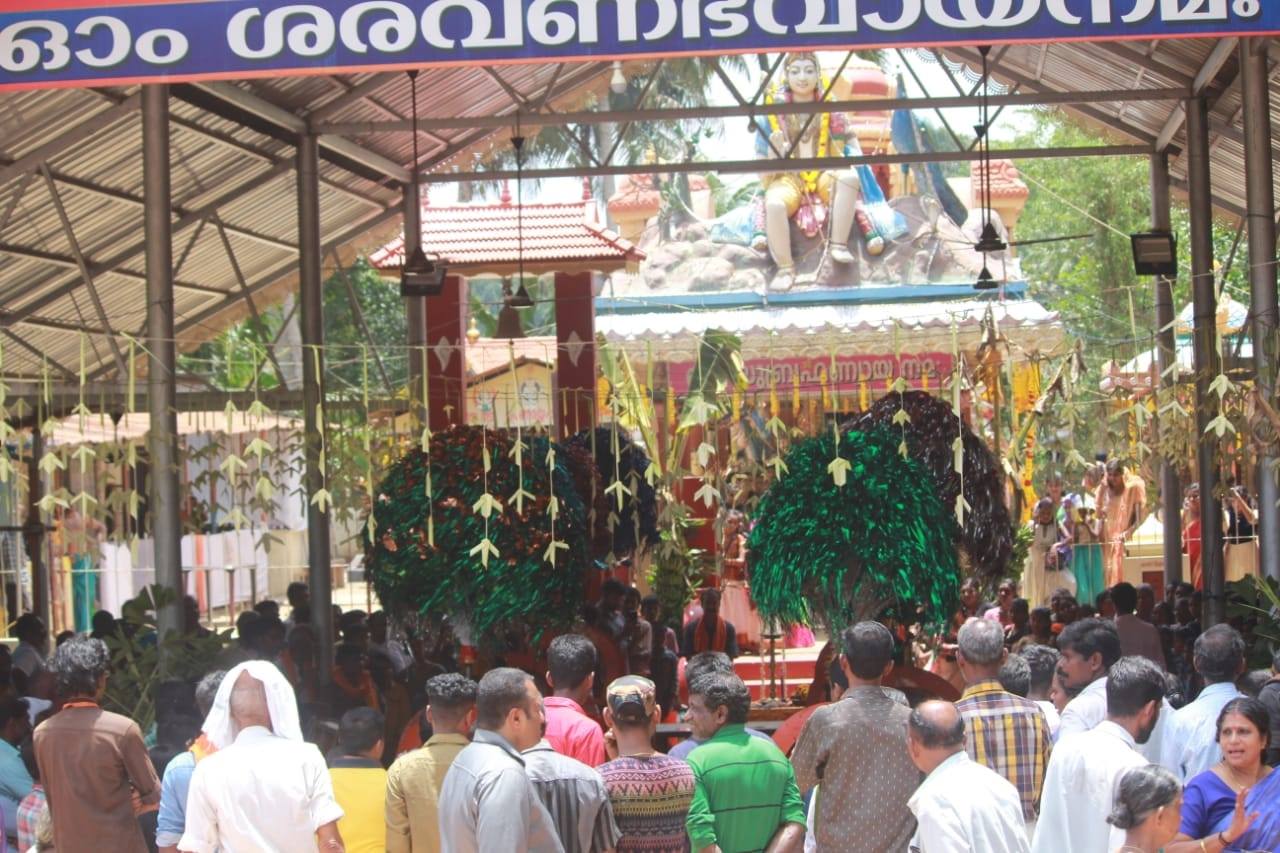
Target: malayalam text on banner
point(46, 43)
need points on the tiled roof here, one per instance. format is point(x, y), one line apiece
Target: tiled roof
point(488, 354)
point(475, 238)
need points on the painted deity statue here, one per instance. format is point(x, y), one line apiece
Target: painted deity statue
point(807, 196)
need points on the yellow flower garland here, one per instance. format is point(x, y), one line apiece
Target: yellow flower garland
point(810, 178)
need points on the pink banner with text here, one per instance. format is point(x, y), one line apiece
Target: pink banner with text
point(926, 369)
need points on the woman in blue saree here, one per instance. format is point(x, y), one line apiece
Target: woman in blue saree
point(1234, 805)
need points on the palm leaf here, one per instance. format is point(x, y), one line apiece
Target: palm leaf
point(634, 406)
point(718, 368)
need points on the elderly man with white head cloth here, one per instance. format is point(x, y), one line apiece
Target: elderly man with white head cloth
point(264, 790)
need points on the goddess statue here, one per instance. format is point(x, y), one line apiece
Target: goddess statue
point(806, 196)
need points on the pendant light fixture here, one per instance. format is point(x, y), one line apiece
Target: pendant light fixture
point(418, 276)
point(509, 325)
point(990, 240)
point(521, 299)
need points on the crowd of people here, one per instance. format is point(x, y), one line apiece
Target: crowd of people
point(1079, 539)
point(1075, 730)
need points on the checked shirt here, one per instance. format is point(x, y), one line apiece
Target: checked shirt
point(1009, 734)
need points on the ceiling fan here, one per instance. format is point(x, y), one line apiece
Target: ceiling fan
point(990, 241)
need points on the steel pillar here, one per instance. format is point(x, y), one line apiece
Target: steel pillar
point(1208, 361)
point(310, 285)
point(1166, 356)
point(1259, 174)
point(162, 397)
point(33, 533)
point(415, 306)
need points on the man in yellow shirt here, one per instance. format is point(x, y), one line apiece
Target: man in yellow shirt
point(359, 780)
point(414, 782)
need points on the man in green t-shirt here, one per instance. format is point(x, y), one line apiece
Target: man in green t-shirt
point(745, 796)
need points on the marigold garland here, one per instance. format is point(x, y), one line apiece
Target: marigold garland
point(880, 543)
point(783, 95)
point(412, 576)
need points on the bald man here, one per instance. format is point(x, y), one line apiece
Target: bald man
point(961, 805)
point(266, 791)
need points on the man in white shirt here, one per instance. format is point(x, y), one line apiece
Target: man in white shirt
point(264, 790)
point(1079, 788)
point(387, 640)
point(1191, 740)
point(961, 805)
point(1088, 649)
point(1042, 661)
point(32, 650)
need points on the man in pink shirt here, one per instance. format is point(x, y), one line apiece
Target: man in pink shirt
point(571, 661)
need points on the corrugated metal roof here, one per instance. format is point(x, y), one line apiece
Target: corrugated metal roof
point(807, 319)
point(228, 167)
point(1169, 63)
point(230, 160)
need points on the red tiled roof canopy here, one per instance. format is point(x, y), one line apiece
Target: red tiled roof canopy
point(472, 239)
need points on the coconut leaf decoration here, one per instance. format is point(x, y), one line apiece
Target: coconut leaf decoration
point(879, 544)
point(446, 538)
point(639, 500)
point(930, 433)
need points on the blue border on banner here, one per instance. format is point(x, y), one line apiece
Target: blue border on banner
point(873, 294)
point(98, 43)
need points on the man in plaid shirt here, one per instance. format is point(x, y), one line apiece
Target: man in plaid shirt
point(1005, 732)
point(33, 804)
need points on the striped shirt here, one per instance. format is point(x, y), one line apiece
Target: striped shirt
point(650, 797)
point(575, 796)
point(1009, 734)
point(744, 792)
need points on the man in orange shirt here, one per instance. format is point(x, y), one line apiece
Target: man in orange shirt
point(92, 761)
point(1122, 500)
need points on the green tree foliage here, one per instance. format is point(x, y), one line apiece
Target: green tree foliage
point(233, 359)
point(384, 314)
point(484, 294)
point(1091, 282)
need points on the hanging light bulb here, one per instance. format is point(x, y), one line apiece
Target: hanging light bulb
point(618, 82)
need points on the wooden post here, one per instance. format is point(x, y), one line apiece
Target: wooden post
point(446, 358)
point(575, 350)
